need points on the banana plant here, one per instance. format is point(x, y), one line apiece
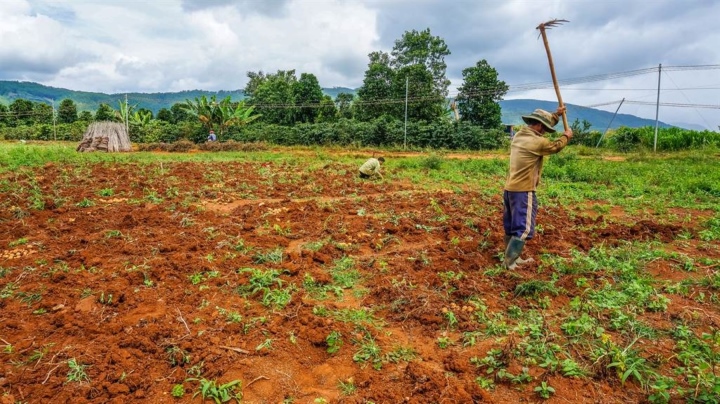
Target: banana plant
point(219, 116)
point(203, 109)
point(124, 111)
point(235, 115)
point(140, 118)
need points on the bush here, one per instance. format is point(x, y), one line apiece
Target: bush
point(588, 138)
point(181, 146)
point(383, 131)
point(232, 145)
point(63, 131)
point(668, 139)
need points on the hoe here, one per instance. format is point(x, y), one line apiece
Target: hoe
point(543, 27)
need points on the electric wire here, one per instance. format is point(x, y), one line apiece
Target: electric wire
point(488, 91)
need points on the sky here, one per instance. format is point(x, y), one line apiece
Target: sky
point(608, 51)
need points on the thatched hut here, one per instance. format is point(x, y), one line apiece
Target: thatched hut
point(105, 136)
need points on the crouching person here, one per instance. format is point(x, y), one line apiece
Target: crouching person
point(371, 168)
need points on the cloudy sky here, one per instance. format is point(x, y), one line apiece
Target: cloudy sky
point(116, 46)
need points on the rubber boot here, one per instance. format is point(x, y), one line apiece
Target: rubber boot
point(512, 252)
point(518, 260)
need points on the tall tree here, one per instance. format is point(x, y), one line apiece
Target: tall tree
point(21, 112)
point(424, 103)
point(179, 113)
point(343, 103)
point(43, 113)
point(273, 96)
point(165, 115)
point(255, 80)
point(67, 111)
point(479, 94)
point(4, 115)
point(327, 112)
point(85, 116)
point(421, 48)
point(307, 94)
point(375, 95)
point(418, 59)
point(105, 113)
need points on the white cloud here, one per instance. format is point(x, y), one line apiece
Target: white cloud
point(33, 45)
point(173, 45)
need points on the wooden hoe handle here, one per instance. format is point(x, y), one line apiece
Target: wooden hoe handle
point(541, 27)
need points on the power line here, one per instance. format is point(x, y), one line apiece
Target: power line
point(663, 104)
point(494, 90)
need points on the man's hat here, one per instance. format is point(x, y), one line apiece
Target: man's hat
point(547, 119)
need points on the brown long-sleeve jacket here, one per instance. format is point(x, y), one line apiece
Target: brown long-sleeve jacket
point(527, 151)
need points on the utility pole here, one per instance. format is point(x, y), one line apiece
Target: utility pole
point(657, 109)
point(54, 119)
point(406, 99)
point(127, 117)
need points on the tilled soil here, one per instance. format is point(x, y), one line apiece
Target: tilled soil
point(146, 275)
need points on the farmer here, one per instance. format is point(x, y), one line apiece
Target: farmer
point(371, 168)
point(211, 137)
point(527, 150)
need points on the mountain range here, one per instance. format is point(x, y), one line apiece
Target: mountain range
point(512, 110)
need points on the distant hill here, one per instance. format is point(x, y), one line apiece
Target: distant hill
point(512, 110)
point(87, 101)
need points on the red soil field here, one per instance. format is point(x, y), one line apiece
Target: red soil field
point(145, 286)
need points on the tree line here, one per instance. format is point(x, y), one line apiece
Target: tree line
point(403, 100)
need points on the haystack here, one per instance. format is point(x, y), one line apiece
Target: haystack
point(105, 136)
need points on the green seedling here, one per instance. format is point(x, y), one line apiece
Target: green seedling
point(113, 234)
point(444, 342)
point(20, 241)
point(105, 299)
point(347, 387)
point(544, 390)
point(334, 342)
point(272, 257)
point(76, 372)
point(369, 352)
point(265, 345)
point(177, 356)
point(85, 203)
point(209, 389)
point(230, 316)
point(105, 192)
point(178, 390)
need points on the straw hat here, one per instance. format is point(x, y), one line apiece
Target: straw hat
point(547, 119)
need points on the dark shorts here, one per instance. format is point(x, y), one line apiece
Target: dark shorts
point(520, 213)
point(363, 175)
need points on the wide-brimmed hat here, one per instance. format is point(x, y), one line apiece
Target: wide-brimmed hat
point(547, 119)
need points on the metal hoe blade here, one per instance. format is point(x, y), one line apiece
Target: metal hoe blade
point(550, 24)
